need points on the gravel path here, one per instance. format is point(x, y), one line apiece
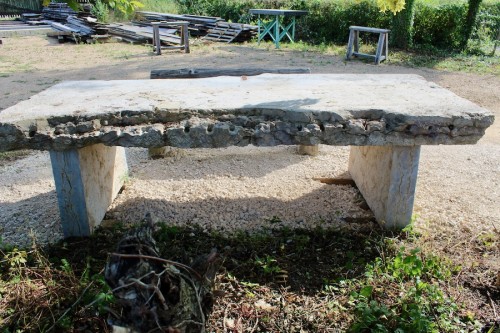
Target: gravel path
point(245, 188)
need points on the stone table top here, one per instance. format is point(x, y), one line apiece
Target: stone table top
point(264, 110)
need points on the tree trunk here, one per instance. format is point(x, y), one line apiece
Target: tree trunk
point(401, 35)
point(470, 20)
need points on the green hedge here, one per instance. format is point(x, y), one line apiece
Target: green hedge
point(329, 20)
point(439, 26)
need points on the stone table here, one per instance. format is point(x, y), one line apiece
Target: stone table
point(385, 118)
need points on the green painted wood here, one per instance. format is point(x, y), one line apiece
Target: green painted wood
point(275, 26)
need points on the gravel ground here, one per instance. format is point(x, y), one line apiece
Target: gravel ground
point(243, 188)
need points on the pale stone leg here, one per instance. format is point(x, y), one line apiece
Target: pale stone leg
point(308, 150)
point(386, 177)
point(87, 181)
point(158, 152)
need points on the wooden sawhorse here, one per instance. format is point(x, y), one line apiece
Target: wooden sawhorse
point(382, 47)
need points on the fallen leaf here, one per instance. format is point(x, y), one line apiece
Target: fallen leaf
point(263, 305)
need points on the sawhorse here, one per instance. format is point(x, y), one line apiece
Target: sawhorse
point(382, 47)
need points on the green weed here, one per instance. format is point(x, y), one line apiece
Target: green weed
point(268, 264)
point(413, 283)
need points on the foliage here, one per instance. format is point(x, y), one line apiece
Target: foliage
point(394, 6)
point(486, 31)
point(101, 11)
point(66, 292)
point(124, 6)
point(161, 6)
point(440, 26)
point(434, 23)
point(418, 304)
point(402, 26)
point(469, 22)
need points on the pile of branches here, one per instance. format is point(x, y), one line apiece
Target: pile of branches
point(155, 294)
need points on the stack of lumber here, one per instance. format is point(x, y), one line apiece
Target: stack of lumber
point(208, 27)
point(198, 25)
point(79, 28)
point(139, 32)
point(231, 32)
point(57, 11)
point(32, 19)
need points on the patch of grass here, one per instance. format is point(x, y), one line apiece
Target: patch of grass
point(65, 279)
point(10, 156)
point(160, 6)
point(460, 62)
point(331, 49)
point(406, 293)
point(423, 57)
point(275, 280)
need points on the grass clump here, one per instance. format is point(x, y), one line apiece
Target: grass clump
point(10, 156)
point(60, 288)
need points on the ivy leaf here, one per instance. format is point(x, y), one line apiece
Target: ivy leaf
point(366, 291)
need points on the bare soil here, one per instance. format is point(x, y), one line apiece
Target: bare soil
point(458, 190)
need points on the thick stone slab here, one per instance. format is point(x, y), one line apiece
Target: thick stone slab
point(264, 110)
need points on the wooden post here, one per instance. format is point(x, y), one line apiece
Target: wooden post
point(350, 44)
point(386, 176)
point(185, 37)
point(156, 38)
point(386, 40)
point(356, 41)
point(87, 181)
point(380, 48)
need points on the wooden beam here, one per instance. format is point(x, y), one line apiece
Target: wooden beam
point(186, 73)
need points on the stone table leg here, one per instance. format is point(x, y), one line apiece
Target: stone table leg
point(386, 177)
point(87, 181)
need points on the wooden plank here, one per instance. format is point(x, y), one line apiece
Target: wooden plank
point(368, 29)
point(364, 55)
point(211, 72)
point(58, 33)
point(280, 12)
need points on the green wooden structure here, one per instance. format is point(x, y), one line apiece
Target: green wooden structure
point(277, 23)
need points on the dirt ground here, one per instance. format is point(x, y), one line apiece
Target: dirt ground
point(458, 190)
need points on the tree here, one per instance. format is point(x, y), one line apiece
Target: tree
point(470, 20)
point(402, 26)
point(401, 35)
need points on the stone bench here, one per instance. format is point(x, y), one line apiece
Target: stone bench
point(384, 118)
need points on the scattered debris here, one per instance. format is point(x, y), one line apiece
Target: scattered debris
point(159, 294)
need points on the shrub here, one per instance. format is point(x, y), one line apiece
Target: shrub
point(439, 25)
